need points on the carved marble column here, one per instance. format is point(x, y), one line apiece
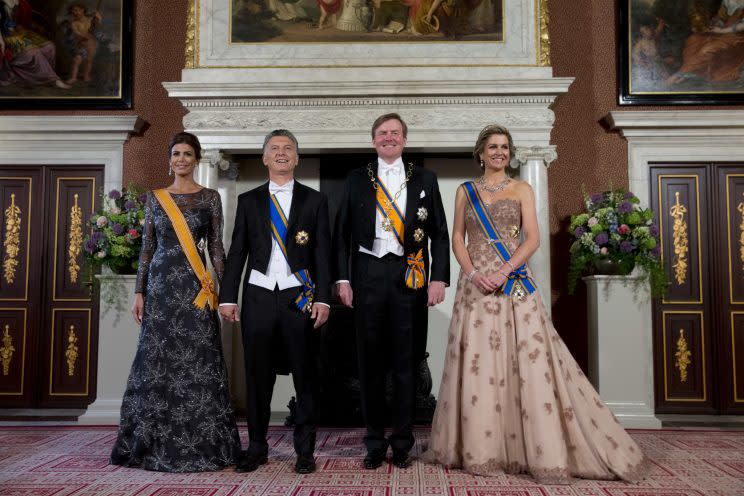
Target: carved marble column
point(534, 162)
point(207, 172)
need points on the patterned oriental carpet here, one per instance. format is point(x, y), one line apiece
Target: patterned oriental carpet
point(63, 461)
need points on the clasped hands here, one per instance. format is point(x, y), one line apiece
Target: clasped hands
point(489, 283)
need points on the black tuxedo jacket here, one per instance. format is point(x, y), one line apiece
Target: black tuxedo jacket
point(251, 238)
point(355, 223)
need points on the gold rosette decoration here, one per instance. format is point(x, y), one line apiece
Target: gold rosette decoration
point(302, 238)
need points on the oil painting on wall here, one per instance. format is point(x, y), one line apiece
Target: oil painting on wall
point(681, 51)
point(65, 53)
point(287, 21)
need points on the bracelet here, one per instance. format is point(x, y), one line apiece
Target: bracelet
point(508, 262)
point(471, 274)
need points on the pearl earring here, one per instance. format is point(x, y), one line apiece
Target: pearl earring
point(170, 170)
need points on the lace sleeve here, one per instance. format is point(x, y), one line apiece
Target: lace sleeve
point(148, 246)
point(214, 238)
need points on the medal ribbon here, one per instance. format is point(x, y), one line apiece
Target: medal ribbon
point(207, 294)
point(279, 231)
point(518, 278)
point(415, 276)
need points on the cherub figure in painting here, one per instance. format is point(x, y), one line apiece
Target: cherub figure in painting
point(82, 36)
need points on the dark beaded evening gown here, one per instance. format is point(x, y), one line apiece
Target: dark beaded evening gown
point(176, 414)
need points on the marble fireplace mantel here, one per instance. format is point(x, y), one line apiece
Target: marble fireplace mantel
point(331, 109)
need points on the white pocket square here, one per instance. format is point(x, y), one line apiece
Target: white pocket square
point(423, 194)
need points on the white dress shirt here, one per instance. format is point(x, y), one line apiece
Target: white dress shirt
point(394, 176)
point(278, 273)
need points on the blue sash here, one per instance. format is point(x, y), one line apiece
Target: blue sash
point(518, 281)
point(279, 231)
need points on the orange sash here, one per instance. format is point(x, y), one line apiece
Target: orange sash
point(207, 295)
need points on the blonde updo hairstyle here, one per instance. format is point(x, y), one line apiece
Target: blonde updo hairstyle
point(485, 135)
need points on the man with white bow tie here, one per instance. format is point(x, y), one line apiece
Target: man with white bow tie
point(282, 227)
point(390, 213)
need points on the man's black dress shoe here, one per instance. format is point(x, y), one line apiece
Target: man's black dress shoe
point(250, 462)
point(402, 459)
point(305, 465)
point(374, 459)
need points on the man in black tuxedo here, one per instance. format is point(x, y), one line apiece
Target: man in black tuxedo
point(283, 228)
point(389, 213)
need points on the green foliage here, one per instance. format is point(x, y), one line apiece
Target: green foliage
point(615, 228)
point(115, 237)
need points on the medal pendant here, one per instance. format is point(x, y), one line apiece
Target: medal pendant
point(387, 224)
point(519, 292)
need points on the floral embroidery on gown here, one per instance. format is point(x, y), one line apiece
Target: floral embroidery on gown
point(512, 398)
point(176, 414)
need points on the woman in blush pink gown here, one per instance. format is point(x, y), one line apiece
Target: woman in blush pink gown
point(512, 398)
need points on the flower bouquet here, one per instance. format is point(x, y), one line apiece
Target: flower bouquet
point(614, 236)
point(116, 231)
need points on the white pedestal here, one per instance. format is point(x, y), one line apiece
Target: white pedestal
point(117, 343)
point(620, 348)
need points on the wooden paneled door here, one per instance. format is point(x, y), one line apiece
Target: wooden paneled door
point(48, 314)
point(699, 324)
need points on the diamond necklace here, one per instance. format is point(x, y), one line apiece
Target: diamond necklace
point(496, 187)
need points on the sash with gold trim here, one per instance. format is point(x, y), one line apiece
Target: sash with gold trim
point(390, 212)
point(279, 231)
point(518, 281)
point(207, 294)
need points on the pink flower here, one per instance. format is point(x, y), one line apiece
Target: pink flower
point(603, 250)
point(101, 221)
point(623, 229)
point(592, 221)
point(133, 233)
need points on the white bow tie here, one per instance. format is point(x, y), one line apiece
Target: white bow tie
point(390, 169)
point(278, 189)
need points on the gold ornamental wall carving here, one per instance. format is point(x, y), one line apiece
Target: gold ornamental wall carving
point(681, 243)
point(544, 35)
point(740, 208)
point(6, 351)
point(76, 240)
point(12, 241)
point(682, 356)
point(71, 353)
point(190, 51)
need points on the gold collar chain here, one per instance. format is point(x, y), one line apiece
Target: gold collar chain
point(373, 178)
